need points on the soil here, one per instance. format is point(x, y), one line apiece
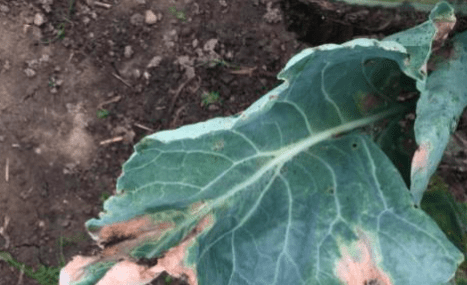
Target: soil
point(81, 81)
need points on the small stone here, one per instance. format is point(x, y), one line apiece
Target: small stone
point(150, 18)
point(2, 138)
point(194, 43)
point(186, 31)
point(4, 9)
point(213, 108)
point(227, 78)
point(137, 19)
point(128, 51)
point(136, 73)
point(138, 88)
point(155, 61)
point(223, 3)
point(32, 63)
point(28, 20)
point(6, 65)
point(86, 20)
point(39, 19)
point(30, 72)
point(272, 16)
point(210, 45)
point(141, 2)
point(66, 42)
point(44, 58)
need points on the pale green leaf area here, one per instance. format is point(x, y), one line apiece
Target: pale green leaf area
point(441, 103)
point(291, 191)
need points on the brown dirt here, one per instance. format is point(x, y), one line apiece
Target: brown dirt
point(79, 75)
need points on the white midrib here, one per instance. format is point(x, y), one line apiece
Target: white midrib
point(283, 155)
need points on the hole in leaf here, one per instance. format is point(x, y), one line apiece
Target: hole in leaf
point(372, 282)
point(115, 239)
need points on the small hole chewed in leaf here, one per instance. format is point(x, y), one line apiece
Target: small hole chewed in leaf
point(373, 282)
point(358, 264)
point(330, 190)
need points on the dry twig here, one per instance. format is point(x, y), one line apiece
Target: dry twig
point(244, 71)
point(7, 170)
point(143, 127)
point(113, 100)
point(112, 140)
point(103, 5)
point(21, 273)
point(177, 93)
point(6, 221)
point(122, 80)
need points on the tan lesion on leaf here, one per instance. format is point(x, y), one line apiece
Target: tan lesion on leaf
point(420, 158)
point(136, 232)
point(174, 261)
point(443, 28)
point(134, 228)
point(358, 265)
point(119, 239)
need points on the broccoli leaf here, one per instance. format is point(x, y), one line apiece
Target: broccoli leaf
point(292, 191)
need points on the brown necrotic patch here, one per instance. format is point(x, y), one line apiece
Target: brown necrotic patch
point(358, 264)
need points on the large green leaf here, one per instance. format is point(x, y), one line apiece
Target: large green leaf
point(289, 192)
point(441, 103)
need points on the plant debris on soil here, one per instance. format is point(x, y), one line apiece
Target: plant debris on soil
point(81, 81)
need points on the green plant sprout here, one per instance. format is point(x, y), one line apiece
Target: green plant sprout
point(44, 275)
point(62, 26)
point(102, 113)
point(63, 241)
point(179, 14)
point(52, 82)
point(104, 196)
point(208, 98)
